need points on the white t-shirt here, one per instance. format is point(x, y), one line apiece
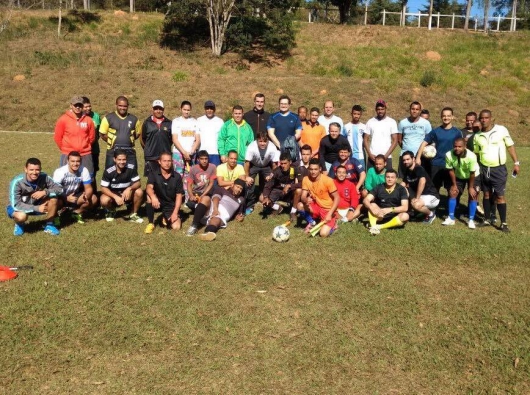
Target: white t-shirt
point(71, 182)
point(326, 121)
point(381, 132)
point(272, 154)
point(209, 130)
point(186, 131)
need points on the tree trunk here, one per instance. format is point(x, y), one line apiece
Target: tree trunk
point(430, 14)
point(403, 16)
point(468, 13)
point(60, 19)
point(344, 11)
point(131, 6)
point(486, 13)
point(219, 13)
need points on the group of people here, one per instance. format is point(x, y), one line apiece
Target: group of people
point(320, 168)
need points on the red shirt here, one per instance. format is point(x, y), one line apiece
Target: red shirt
point(348, 194)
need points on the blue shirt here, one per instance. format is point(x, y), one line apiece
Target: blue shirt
point(354, 133)
point(443, 139)
point(284, 125)
point(413, 134)
point(354, 168)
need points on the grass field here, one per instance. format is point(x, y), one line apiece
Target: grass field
point(110, 310)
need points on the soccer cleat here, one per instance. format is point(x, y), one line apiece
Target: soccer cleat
point(493, 220)
point(109, 215)
point(78, 217)
point(135, 218)
point(18, 230)
point(429, 219)
point(249, 210)
point(449, 222)
point(51, 229)
point(149, 229)
point(209, 236)
point(374, 231)
point(504, 228)
point(471, 224)
point(192, 230)
point(485, 223)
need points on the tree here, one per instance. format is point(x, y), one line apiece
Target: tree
point(468, 13)
point(219, 13)
point(344, 7)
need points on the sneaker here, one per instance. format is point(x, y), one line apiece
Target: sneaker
point(210, 236)
point(493, 220)
point(309, 227)
point(429, 219)
point(150, 228)
point(109, 215)
point(485, 223)
point(471, 224)
point(192, 230)
point(51, 229)
point(135, 218)
point(249, 210)
point(78, 217)
point(19, 230)
point(448, 222)
point(504, 228)
point(374, 231)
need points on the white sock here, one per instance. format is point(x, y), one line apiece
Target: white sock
point(275, 206)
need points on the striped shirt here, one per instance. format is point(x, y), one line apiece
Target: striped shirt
point(72, 183)
point(119, 181)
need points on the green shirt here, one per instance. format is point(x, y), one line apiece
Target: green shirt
point(373, 179)
point(491, 146)
point(462, 167)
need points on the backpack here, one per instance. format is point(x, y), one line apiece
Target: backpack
point(290, 145)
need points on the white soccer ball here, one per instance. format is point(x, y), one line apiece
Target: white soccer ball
point(429, 152)
point(281, 234)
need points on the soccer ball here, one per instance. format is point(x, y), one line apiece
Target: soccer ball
point(281, 234)
point(429, 152)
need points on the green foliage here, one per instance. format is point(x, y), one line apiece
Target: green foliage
point(428, 78)
point(179, 76)
point(75, 18)
point(344, 70)
point(185, 26)
point(376, 8)
point(53, 59)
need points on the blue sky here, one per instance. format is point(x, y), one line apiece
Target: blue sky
point(416, 5)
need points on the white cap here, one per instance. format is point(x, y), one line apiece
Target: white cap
point(158, 103)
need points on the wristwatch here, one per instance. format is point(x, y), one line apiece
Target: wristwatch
point(516, 163)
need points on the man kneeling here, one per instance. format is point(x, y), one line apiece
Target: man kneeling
point(387, 204)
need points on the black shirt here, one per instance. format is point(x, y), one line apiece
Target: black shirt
point(157, 139)
point(329, 149)
point(118, 182)
point(257, 120)
point(279, 180)
point(387, 200)
point(412, 178)
point(166, 189)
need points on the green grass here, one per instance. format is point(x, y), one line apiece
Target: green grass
point(108, 309)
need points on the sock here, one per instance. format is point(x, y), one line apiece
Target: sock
point(305, 215)
point(452, 208)
point(211, 228)
point(275, 206)
point(372, 219)
point(472, 209)
point(487, 208)
point(393, 223)
point(494, 208)
point(502, 212)
point(150, 213)
point(200, 211)
point(293, 210)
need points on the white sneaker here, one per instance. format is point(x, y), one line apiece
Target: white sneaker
point(374, 231)
point(208, 236)
point(471, 224)
point(448, 222)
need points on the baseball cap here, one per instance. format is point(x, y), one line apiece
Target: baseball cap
point(158, 103)
point(209, 103)
point(380, 103)
point(76, 100)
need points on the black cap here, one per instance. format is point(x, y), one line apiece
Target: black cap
point(210, 104)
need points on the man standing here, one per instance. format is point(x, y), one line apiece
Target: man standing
point(328, 117)
point(75, 131)
point(330, 146)
point(491, 145)
point(119, 130)
point(209, 126)
point(284, 123)
point(156, 137)
point(471, 118)
point(235, 135)
point(463, 170)
point(33, 193)
point(257, 118)
point(412, 131)
point(423, 195)
point(87, 109)
point(380, 136)
point(164, 193)
point(354, 132)
point(78, 193)
point(312, 132)
point(120, 185)
point(443, 138)
point(387, 204)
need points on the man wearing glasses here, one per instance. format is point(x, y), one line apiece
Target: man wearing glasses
point(284, 123)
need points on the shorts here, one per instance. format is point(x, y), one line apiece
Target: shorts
point(224, 216)
point(430, 201)
point(343, 212)
point(461, 185)
point(10, 210)
point(494, 179)
point(71, 205)
point(440, 177)
point(86, 161)
point(277, 194)
point(318, 212)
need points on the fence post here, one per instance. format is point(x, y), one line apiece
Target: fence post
point(366, 13)
point(498, 22)
point(476, 23)
point(419, 18)
point(384, 16)
point(453, 22)
point(438, 21)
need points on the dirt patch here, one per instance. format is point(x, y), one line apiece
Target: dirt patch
point(120, 13)
point(433, 55)
point(19, 77)
point(484, 72)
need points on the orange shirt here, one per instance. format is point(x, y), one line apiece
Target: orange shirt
point(312, 135)
point(320, 190)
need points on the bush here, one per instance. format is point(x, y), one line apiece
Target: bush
point(428, 78)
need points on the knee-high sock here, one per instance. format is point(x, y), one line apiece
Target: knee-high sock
point(150, 213)
point(372, 219)
point(307, 216)
point(487, 208)
point(502, 212)
point(452, 207)
point(472, 209)
point(200, 211)
point(393, 223)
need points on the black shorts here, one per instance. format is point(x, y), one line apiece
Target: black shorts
point(440, 177)
point(494, 179)
point(277, 194)
point(66, 203)
point(462, 184)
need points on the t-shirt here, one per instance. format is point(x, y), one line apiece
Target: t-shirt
point(202, 178)
point(320, 190)
point(373, 179)
point(412, 178)
point(186, 130)
point(254, 155)
point(72, 183)
point(413, 133)
point(284, 125)
point(443, 139)
point(463, 167)
point(326, 121)
point(311, 135)
point(116, 181)
point(354, 168)
point(166, 189)
point(209, 130)
point(491, 146)
point(386, 199)
point(380, 131)
point(347, 193)
point(354, 133)
point(230, 175)
point(229, 202)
